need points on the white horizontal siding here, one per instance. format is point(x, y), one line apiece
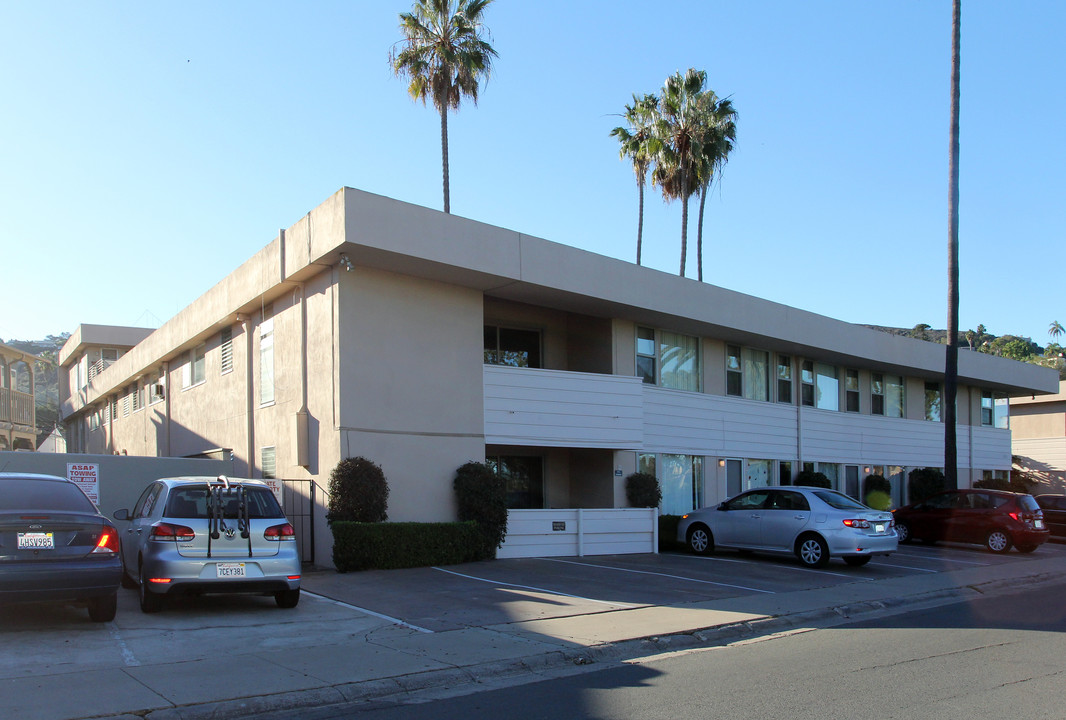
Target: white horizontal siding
point(1042, 454)
point(991, 448)
point(618, 531)
point(553, 408)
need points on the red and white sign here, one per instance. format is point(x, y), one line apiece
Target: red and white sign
point(275, 485)
point(87, 477)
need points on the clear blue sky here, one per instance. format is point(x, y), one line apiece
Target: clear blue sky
point(148, 148)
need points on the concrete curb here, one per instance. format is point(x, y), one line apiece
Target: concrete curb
point(550, 664)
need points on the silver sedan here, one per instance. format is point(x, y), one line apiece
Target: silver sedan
point(813, 523)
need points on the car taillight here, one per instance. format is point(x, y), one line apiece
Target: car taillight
point(172, 533)
point(857, 523)
point(108, 542)
point(280, 532)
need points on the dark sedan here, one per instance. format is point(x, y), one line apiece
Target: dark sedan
point(1054, 507)
point(55, 546)
point(994, 518)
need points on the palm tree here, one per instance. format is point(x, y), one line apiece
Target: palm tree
point(640, 145)
point(951, 362)
point(445, 55)
point(680, 130)
point(1055, 329)
point(720, 135)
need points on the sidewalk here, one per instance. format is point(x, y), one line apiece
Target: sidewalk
point(391, 660)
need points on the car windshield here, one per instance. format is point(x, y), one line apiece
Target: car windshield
point(191, 502)
point(839, 501)
point(43, 495)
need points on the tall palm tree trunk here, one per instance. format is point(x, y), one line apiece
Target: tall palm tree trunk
point(699, 233)
point(684, 221)
point(640, 217)
point(444, 157)
point(951, 369)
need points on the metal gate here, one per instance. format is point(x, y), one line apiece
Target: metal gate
point(298, 502)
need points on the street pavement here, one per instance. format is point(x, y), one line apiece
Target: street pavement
point(380, 655)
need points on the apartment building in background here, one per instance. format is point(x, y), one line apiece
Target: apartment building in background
point(18, 413)
point(421, 340)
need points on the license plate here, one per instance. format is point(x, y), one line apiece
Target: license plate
point(36, 541)
point(230, 570)
point(879, 527)
point(1038, 524)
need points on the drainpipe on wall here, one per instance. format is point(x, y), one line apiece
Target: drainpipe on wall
point(301, 414)
point(166, 409)
point(249, 390)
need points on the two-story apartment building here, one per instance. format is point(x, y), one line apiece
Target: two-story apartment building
point(18, 414)
point(1038, 432)
point(423, 340)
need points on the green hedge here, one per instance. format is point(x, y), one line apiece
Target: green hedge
point(668, 533)
point(388, 546)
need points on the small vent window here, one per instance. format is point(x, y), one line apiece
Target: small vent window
point(270, 462)
point(227, 350)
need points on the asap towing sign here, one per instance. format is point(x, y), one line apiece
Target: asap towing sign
point(87, 477)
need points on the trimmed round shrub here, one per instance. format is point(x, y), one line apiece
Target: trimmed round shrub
point(481, 495)
point(813, 479)
point(643, 491)
point(358, 492)
point(877, 492)
point(923, 482)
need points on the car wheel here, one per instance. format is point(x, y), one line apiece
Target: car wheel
point(102, 609)
point(998, 541)
point(700, 540)
point(287, 598)
point(857, 560)
point(903, 532)
point(150, 602)
point(812, 551)
point(1026, 548)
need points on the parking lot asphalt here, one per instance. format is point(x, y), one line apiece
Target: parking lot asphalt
point(384, 633)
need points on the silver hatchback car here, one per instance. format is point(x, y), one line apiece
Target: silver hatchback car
point(813, 523)
point(209, 535)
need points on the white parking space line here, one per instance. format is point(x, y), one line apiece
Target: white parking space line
point(537, 589)
point(783, 567)
point(932, 556)
point(394, 621)
point(127, 655)
point(906, 567)
point(646, 572)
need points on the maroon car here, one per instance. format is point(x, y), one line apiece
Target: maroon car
point(994, 518)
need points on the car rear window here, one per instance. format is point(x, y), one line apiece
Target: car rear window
point(838, 500)
point(42, 495)
point(1028, 502)
point(191, 502)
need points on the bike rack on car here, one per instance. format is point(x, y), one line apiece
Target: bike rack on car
point(218, 492)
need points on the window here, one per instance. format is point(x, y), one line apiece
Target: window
point(784, 472)
point(734, 376)
point(886, 395)
point(784, 379)
point(994, 410)
point(646, 463)
point(748, 373)
point(512, 347)
point(646, 365)
point(760, 474)
point(269, 462)
point(851, 390)
point(851, 480)
point(126, 402)
point(226, 350)
point(266, 357)
point(668, 359)
point(877, 394)
point(827, 386)
point(524, 478)
point(136, 403)
point(113, 408)
point(807, 383)
point(932, 401)
point(682, 483)
point(831, 471)
point(193, 371)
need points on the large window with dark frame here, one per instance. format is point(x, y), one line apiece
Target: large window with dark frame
point(851, 390)
point(513, 347)
point(933, 401)
point(784, 379)
point(994, 410)
point(668, 359)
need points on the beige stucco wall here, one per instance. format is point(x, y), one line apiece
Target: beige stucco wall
point(410, 369)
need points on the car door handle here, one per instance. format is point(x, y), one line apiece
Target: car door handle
point(755, 516)
point(800, 517)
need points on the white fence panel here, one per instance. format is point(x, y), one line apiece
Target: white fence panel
point(575, 533)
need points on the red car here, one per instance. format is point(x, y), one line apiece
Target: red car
point(993, 518)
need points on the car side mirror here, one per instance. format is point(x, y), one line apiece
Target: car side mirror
point(723, 506)
point(123, 514)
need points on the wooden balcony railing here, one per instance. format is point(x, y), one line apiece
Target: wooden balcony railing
point(16, 407)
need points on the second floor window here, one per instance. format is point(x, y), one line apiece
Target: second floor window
point(886, 395)
point(932, 401)
point(784, 379)
point(994, 410)
point(512, 347)
point(194, 371)
point(668, 359)
point(851, 390)
point(748, 373)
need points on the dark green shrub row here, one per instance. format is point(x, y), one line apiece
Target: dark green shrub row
point(668, 533)
point(923, 482)
point(643, 491)
point(388, 546)
point(358, 492)
point(481, 496)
